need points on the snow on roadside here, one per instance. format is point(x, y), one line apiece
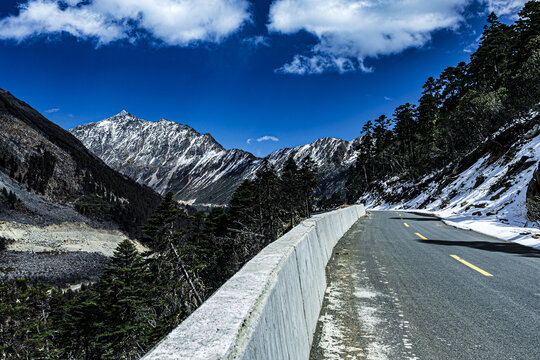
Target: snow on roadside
point(488, 197)
point(528, 236)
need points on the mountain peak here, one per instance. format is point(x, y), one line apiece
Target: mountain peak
point(123, 113)
point(122, 116)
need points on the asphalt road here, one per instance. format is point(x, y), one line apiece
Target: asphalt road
point(406, 286)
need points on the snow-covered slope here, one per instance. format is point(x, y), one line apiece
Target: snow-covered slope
point(486, 191)
point(168, 156)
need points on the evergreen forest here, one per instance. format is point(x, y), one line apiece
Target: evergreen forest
point(142, 297)
point(459, 110)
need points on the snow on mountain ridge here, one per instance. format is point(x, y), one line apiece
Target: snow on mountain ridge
point(169, 156)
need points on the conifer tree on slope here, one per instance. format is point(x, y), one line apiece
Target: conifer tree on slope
point(308, 183)
point(165, 241)
point(124, 303)
point(268, 201)
point(290, 189)
point(79, 326)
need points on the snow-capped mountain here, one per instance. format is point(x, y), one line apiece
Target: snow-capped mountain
point(168, 156)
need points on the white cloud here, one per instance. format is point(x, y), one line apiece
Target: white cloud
point(267, 137)
point(387, 98)
point(473, 46)
point(53, 110)
point(349, 31)
point(318, 64)
point(173, 22)
point(248, 141)
point(257, 41)
point(504, 7)
point(41, 17)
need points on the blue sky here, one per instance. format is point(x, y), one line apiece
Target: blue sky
point(284, 72)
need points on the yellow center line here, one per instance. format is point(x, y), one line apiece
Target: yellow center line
point(471, 265)
point(407, 225)
point(421, 237)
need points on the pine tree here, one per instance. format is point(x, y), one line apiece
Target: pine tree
point(523, 85)
point(335, 200)
point(223, 265)
point(488, 64)
point(290, 189)
point(428, 118)
point(24, 329)
point(366, 155)
point(383, 141)
point(268, 202)
point(124, 305)
point(80, 324)
point(406, 135)
point(161, 223)
point(308, 183)
point(527, 28)
point(242, 206)
point(161, 232)
point(12, 199)
point(217, 221)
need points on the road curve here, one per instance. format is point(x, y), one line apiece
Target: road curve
point(407, 286)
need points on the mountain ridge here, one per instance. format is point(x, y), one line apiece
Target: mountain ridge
point(194, 166)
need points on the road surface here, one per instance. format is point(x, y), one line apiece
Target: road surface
point(407, 286)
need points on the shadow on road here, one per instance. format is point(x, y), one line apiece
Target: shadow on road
point(509, 248)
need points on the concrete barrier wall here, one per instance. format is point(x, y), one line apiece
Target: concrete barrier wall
point(269, 309)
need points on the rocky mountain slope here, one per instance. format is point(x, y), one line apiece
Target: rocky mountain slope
point(63, 211)
point(168, 156)
point(47, 176)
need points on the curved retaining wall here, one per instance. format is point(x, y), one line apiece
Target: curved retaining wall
point(268, 309)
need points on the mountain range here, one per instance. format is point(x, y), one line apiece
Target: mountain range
point(168, 156)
